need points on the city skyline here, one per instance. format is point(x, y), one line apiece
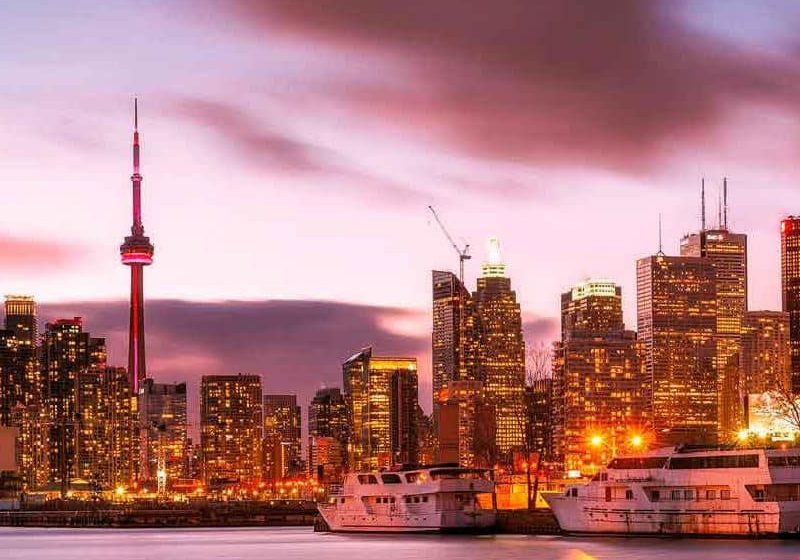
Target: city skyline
point(225, 169)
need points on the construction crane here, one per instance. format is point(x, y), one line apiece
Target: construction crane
point(463, 254)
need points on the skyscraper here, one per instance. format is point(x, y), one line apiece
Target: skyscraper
point(162, 409)
point(502, 350)
point(727, 251)
point(765, 360)
point(282, 433)
point(454, 336)
point(598, 383)
point(327, 414)
point(381, 398)
point(136, 252)
point(466, 427)
point(22, 393)
point(20, 379)
point(790, 290)
point(230, 423)
point(677, 322)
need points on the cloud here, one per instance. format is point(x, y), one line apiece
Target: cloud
point(17, 254)
point(609, 84)
point(270, 148)
point(296, 346)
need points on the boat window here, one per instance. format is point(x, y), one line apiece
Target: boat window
point(412, 476)
point(711, 494)
point(655, 495)
point(391, 499)
point(425, 499)
point(408, 499)
point(688, 494)
point(367, 479)
point(462, 474)
point(715, 462)
point(632, 463)
point(416, 499)
point(784, 461)
point(574, 492)
point(724, 494)
point(676, 495)
point(628, 494)
point(391, 478)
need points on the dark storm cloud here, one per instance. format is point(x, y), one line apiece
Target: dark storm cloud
point(296, 346)
point(577, 81)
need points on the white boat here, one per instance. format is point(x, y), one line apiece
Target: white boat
point(744, 492)
point(429, 499)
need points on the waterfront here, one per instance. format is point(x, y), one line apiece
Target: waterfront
point(302, 543)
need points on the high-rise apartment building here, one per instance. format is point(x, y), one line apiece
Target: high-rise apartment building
point(454, 336)
point(501, 350)
point(162, 409)
point(765, 360)
point(231, 428)
point(790, 290)
point(327, 433)
point(677, 324)
point(539, 411)
point(282, 429)
point(598, 384)
point(381, 398)
point(67, 353)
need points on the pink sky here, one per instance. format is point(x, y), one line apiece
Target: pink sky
point(290, 147)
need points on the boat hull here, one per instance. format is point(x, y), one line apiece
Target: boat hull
point(445, 522)
point(772, 520)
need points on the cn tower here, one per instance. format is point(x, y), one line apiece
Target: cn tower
point(136, 252)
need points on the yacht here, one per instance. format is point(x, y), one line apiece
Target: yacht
point(688, 491)
point(427, 499)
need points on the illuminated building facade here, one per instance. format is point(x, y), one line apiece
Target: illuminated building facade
point(501, 350)
point(282, 433)
point(598, 383)
point(164, 431)
point(765, 360)
point(381, 399)
point(466, 428)
point(790, 290)
point(326, 460)
point(727, 251)
point(230, 424)
point(454, 336)
point(677, 322)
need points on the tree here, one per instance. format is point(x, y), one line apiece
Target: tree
point(781, 407)
point(535, 417)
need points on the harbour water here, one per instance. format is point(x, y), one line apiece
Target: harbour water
point(301, 544)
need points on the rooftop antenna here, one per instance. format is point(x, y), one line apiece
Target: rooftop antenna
point(660, 251)
point(719, 210)
point(703, 204)
point(725, 203)
point(135, 113)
